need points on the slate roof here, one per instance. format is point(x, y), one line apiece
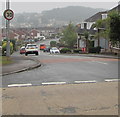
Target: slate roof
point(95, 17)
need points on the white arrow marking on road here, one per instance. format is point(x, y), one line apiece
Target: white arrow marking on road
point(20, 85)
point(53, 83)
point(91, 81)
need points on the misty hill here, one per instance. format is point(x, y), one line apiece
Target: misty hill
point(54, 17)
point(71, 13)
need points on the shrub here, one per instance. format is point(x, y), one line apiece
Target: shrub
point(95, 49)
point(4, 48)
point(77, 50)
point(65, 50)
point(53, 43)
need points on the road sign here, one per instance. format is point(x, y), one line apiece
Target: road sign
point(8, 14)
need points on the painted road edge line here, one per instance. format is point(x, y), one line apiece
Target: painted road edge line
point(112, 80)
point(89, 81)
point(20, 85)
point(53, 83)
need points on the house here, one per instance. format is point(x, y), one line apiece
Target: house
point(81, 39)
point(87, 25)
point(21, 34)
point(34, 34)
point(47, 31)
point(12, 34)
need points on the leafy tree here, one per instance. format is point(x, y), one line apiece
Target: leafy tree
point(100, 24)
point(114, 25)
point(69, 36)
point(53, 43)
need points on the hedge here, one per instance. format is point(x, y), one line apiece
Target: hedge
point(4, 48)
point(65, 50)
point(95, 49)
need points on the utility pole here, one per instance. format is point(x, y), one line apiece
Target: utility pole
point(8, 15)
point(7, 31)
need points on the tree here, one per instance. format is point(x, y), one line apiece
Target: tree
point(69, 36)
point(99, 25)
point(53, 43)
point(114, 24)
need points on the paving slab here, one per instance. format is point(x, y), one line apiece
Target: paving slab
point(69, 99)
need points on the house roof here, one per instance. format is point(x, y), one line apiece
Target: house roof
point(19, 32)
point(95, 17)
point(117, 8)
point(98, 15)
point(12, 35)
point(33, 32)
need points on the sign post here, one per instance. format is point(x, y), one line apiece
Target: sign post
point(8, 15)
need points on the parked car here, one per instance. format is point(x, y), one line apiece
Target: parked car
point(31, 49)
point(42, 46)
point(22, 50)
point(47, 49)
point(54, 50)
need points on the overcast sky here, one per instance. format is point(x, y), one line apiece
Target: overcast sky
point(39, 5)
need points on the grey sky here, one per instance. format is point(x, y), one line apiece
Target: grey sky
point(19, 7)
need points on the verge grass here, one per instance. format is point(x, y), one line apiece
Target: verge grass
point(5, 60)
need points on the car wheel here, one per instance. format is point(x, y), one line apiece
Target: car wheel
point(26, 54)
point(37, 53)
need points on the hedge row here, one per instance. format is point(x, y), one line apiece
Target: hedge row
point(95, 50)
point(67, 50)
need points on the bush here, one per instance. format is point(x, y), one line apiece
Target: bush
point(4, 48)
point(65, 50)
point(77, 50)
point(95, 49)
point(53, 44)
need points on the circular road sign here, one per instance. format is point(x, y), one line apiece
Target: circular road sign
point(8, 14)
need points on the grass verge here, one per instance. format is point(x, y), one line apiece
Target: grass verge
point(5, 60)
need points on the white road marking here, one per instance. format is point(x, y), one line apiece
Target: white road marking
point(19, 85)
point(53, 83)
point(112, 80)
point(91, 81)
point(100, 62)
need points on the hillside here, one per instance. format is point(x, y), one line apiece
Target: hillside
point(73, 13)
point(54, 17)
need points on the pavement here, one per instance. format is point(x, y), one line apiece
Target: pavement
point(20, 64)
point(71, 99)
point(68, 99)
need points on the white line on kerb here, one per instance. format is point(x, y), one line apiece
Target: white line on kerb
point(111, 80)
point(91, 81)
point(20, 85)
point(52, 83)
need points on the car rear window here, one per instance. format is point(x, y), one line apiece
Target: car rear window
point(31, 46)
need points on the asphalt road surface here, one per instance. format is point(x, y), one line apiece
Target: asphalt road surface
point(64, 69)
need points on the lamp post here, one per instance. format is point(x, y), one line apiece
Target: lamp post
point(8, 15)
point(7, 31)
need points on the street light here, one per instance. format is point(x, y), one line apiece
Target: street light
point(8, 15)
point(7, 31)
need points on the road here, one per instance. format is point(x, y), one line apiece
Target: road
point(64, 69)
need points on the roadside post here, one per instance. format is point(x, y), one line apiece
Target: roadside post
point(8, 15)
